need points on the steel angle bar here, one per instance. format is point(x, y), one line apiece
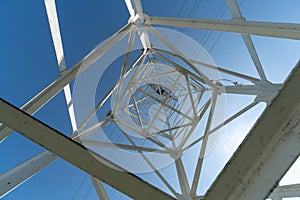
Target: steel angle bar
point(152, 166)
point(162, 178)
point(271, 29)
point(195, 78)
point(50, 91)
point(237, 15)
point(19, 174)
point(239, 113)
point(167, 121)
point(58, 46)
point(199, 117)
point(128, 51)
point(78, 155)
point(184, 59)
point(110, 92)
point(220, 69)
point(265, 92)
point(164, 104)
point(180, 68)
point(176, 53)
point(122, 146)
point(286, 191)
point(14, 177)
point(174, 128)
point(190, 95)
point(267, 152)
point(162, 39)
point(157, 76)
point(175, 50)
point(137, 16)
point(80, 133)
point(98, 185)
point(182, 177)
point(136, 108)
point(203, 146)
point(234, 116)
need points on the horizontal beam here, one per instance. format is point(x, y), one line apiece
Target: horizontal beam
point(78, 155)
point(271, 29)
point(267, 152)
point(264, 91)
point(49, 92)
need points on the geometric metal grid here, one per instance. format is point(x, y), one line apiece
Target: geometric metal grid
point(263, 90)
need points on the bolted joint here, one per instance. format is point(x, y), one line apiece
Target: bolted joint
point(176, 153)
point(137, 20)
point(267, 92)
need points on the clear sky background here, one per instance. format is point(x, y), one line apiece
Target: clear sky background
point(28, 65)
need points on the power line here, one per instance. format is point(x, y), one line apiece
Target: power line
point(78, 188)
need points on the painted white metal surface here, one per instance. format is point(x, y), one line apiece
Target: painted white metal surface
point(183, 181)
point(50, 91)
point(29, 168)
point(271, 29)
point(243, 181)
point(102, 195)
point(286, 191)
point(237, 15)
point(17, 175)
point(137, 16)
point(58, 46)
point(78, 155)
point(268, 151)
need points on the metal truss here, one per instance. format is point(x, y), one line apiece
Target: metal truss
point(161, 83)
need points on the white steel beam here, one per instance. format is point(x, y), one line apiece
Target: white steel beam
point(178, 54)
point(78, 155)
point(55, 33)
point(271, 29)
point(137, 16)
point(202, 152)
point(237, 15)
point(84, 133)
point(267, 152)
point(134, 7)
point(286, 191)
point(57, 41)
point(50, 91)
point(58, 46)
point(155, 170)
point(17, 175)
point(102, 195)
point(122, 146)
point(265, 91)
point(183, 180)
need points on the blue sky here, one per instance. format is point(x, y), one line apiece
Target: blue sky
point(28, 65)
